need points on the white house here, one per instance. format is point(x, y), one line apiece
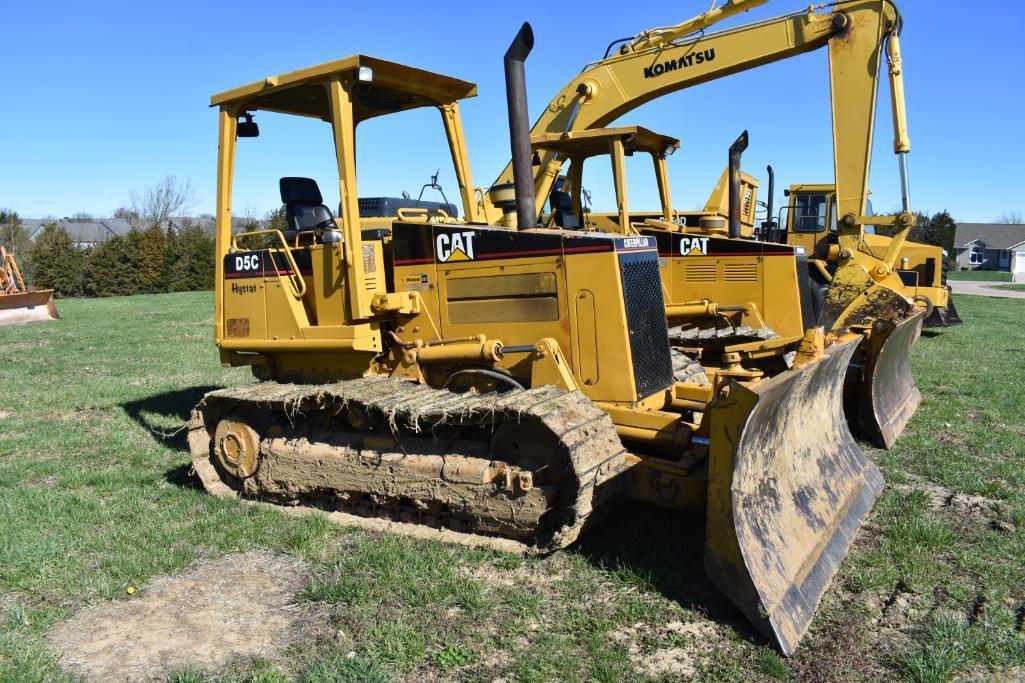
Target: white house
point(990, 246)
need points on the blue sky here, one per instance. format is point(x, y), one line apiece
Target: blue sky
point(103, 98)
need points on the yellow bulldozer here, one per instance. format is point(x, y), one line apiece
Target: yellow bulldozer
point(18, 302)
point(865, 294)
point(484, 384)
point(741, 306)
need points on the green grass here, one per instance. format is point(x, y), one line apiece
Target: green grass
point(1011, 288)
point(980, 275)
point(96, 496)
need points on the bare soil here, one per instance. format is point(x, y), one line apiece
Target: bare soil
point(238, 606)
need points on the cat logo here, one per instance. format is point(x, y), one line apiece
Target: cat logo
point(457, 246)
point(693, 246)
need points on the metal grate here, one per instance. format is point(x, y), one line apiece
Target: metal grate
point(646, 322)
point(524, 284)
point(699, 272)
point(741, 272)
point(523, 297)
point(527, 310)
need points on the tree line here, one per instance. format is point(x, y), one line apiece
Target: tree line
point(148, 261)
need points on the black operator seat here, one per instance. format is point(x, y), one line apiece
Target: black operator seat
point(305, 212)
point(562, 207)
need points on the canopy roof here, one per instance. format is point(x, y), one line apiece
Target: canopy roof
point(392, 87)
point(595, 142)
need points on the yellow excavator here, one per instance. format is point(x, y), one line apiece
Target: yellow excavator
point(449, 378)
point(865, 294)
point(18, 302)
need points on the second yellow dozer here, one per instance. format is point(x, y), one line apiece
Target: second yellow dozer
point(447, 378)
point(19, 303)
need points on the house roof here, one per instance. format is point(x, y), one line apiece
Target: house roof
point(82, 232)
point(994, 235)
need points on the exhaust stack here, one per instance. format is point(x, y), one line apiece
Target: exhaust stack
point(736, 150)
point(769, 220)
point(519, 126)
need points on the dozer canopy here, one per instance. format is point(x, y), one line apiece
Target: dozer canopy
point(595, 142)
point(384, 88)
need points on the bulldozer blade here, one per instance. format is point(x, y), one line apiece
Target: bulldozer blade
point(27, 307)
point(888, 393)
point(788, 489)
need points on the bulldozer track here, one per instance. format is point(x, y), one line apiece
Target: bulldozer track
point(305, 426)
point(720, 335)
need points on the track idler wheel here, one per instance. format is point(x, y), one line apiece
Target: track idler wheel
point(237, 448)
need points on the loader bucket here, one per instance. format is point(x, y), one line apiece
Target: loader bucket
point(27, 307)
point(888, 393)
point(788, 489)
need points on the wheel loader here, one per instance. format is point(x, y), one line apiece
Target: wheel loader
point(19, 303)
point(811, 224)
point(865, 294)
point(479, 384)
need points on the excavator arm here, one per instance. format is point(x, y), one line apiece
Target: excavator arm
point(666, 60)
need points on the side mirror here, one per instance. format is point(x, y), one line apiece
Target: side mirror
point(786, 193)
point(247, 128)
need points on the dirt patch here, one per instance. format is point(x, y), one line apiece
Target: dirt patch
point(967, 510)
point(7, 601)
point(537, 575)
point(239, 606)
point(689, 645)
point(27, 346)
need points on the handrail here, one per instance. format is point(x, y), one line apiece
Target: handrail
point(421, 211)
point(298, 284)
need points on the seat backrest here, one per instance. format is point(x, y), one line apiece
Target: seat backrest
point(304, 205)
point(562, 209)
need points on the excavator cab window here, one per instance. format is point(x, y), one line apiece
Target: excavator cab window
point(810, 212)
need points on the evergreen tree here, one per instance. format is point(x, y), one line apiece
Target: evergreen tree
point(171, 255)
point(149, 246)
point(56, 263)
point(113, 268)
point(193, 266)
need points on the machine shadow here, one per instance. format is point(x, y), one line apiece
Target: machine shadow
point(662, 550)
point(176, 405)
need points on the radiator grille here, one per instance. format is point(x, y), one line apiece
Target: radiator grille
point(526, 284)
point(646, 321)
point(526, 297)
point(535, 309)
point(741, 272)
point(699, 272)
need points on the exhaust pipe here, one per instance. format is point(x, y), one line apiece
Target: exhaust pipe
point(519, 126)
point(771, 226)
point(736, 150)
